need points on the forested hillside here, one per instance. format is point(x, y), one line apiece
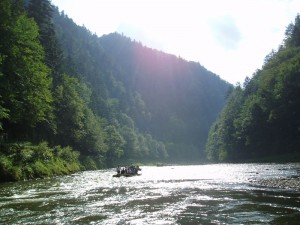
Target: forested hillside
point(180, 99)
point(261, 119)
point(145, 92)
point(70, 100)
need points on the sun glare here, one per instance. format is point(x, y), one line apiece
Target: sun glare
point(221, 35)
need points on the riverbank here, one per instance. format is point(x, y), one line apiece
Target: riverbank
point(25, 161)
point(280, 158)
point(290, 183)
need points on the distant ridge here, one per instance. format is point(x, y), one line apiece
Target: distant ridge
point(167, 97)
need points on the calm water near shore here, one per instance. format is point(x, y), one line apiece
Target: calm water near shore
point(204, 194)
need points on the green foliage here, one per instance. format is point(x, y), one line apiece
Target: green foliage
point(6, 168)
point(262, 120)
point(69, 110)
point(42, 152)
point(88, 163)
point(77, 125)
point(221, 134)
point(293, 33)
point(3, 111)
point(115, 142)
point(67, 154)
point(41, 11)
point(40, 170)
point(93, 142)
point(173, 100)
point(26, 161)
point(25, 82)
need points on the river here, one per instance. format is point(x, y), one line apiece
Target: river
point(202, 194)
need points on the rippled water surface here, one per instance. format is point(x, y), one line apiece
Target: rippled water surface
point(205, 194)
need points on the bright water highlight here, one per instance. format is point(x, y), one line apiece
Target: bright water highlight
point(204, 194)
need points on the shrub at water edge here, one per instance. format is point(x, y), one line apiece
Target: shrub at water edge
point(24, 161)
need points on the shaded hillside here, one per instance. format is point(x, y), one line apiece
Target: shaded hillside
point(262, 118)
point(183, 98)
point(173, 100)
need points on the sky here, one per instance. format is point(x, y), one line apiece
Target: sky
point(228, 37)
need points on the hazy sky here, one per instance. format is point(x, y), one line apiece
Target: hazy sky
point(228, 37)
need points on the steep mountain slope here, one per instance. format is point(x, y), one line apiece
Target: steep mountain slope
point(183, 98)
point(173, 100)
point(262, 118)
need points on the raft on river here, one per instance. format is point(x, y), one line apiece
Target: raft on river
point(130, 171)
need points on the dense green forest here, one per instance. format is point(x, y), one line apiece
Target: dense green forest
point(261, 119)
point(70, 100)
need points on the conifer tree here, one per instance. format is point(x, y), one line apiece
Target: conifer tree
point(25, 83)
point(41, 11)
point(293, 33)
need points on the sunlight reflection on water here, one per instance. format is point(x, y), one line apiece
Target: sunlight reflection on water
point(205, 194)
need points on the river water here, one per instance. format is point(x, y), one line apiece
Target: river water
point(203, 194)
